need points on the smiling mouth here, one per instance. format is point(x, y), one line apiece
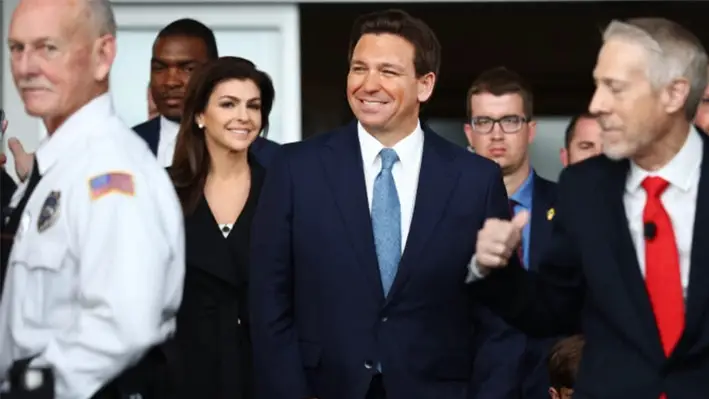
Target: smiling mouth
point(369, 106)
point(242, 132)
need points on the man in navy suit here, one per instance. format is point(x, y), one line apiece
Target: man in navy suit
point(363, 237)
point(180, 48)
point(628, 259)
point(501, 128)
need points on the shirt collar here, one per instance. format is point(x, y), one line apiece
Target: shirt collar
point(80, 124)
point(168, 126)
point(408, 149)
point(678, 172)
point(523, 195)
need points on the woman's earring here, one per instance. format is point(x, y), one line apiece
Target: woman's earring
point(201, 126)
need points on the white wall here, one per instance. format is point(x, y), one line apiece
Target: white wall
point(268, 34)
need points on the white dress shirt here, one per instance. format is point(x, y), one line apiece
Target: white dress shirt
point(96, 271)
point(679, 200)
point(405, 171)
point(167, 141)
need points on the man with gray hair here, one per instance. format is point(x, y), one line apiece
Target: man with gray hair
point(94, 244)
point(628, 258)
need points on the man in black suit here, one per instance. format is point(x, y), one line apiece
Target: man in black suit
point(180, 48)
point(501, 128)
point(629, 258)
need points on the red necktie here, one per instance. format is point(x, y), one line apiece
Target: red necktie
point(520, 253)
point(662, 275)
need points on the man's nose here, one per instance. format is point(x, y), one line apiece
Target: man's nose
point(497, 133)
point(599, 102)
point(371, 82)
point(26, 65)
point(175, 77)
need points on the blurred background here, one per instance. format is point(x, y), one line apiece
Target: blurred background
point(303, 46)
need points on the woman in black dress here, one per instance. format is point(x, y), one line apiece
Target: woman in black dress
point(227, 106)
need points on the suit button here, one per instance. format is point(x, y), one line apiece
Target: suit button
point(384, 319)
point(368, 364)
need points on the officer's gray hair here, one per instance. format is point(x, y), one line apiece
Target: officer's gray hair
point(101, 16)
point(673, 52)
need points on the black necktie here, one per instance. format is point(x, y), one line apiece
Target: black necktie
point(11, 222)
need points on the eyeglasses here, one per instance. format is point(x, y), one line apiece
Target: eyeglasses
point(509, 123)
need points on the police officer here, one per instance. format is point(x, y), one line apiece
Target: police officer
point(97, 262)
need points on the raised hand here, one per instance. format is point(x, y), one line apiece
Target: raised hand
point(498, 240)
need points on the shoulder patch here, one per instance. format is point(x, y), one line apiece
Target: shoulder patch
point(112, 182)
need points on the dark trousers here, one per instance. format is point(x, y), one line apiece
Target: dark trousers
point(376, 388)
point(151, 379)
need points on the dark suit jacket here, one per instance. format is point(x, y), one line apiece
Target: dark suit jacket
point(7, 188)
point(591, 276)
point(320, 321)
point(521, 359)
point(212, 337)
point(263, 149)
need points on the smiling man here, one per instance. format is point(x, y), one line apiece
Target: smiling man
point(362, 236)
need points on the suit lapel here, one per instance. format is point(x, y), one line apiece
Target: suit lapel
point(617, 234)
point(342, 163)
point(698, 290)
point(206, 248)
point(437, 179)
point(542, 215)
point(151, 134)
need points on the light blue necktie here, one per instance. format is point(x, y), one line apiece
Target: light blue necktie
point(386, 220)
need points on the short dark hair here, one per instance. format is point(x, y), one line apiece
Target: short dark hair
point(427, 49)
point(191, 160)
point(191, 28)
point(571, 127)
point(498, 82)
point(564, 361)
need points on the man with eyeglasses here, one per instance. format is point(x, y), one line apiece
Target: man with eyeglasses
point(500, 128)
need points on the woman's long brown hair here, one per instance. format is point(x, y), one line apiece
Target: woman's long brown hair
point(191, 162)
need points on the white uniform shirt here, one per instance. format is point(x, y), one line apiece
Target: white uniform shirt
point(167, 141)
point(96, 272)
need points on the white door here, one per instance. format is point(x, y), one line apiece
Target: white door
point(268, 35)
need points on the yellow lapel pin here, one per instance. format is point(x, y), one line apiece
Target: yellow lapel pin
point(550, 214)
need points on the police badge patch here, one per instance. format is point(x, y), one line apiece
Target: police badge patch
point(50, 211)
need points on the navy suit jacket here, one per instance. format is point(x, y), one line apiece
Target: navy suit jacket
point(320, 322)
point(590, 275)
point(7, 188)
point(263, 149)
point(522, 359)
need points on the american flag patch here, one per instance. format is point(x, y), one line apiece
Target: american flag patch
point(115, 182)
